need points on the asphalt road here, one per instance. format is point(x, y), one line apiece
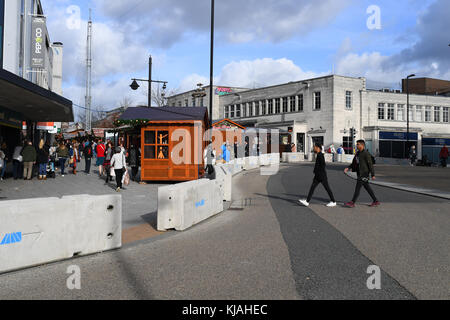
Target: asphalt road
point(272, 249)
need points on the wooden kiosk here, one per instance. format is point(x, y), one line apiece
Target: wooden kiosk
point(171, 141)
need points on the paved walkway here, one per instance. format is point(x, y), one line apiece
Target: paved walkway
point(272, 249)
point(139, 201)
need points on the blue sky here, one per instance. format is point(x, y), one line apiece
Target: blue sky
point(258, 43)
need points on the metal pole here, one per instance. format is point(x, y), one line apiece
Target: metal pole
point(211, 74)
point(407, 116)
point(150, 62)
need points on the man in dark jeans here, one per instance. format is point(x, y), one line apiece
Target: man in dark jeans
point(88, 156)
point(320, 177)
point(362, 164)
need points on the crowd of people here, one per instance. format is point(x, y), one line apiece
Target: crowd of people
point(65, 156)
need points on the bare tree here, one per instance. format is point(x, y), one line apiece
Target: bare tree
point(126, 103)
point(159, 95)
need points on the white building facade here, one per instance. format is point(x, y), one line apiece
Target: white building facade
point(190, 98)
point(325, 110)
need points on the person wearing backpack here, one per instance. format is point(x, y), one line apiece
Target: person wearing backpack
point(362, 164)
point(88, 157)
point(63, 155)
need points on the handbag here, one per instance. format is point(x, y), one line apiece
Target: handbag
point(112, 173)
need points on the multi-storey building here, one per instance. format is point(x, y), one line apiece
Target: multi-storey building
point(328, 109)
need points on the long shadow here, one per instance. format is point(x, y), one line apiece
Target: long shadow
point(325, 264)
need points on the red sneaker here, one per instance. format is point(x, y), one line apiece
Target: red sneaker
point(350, 204)
point(375, 204)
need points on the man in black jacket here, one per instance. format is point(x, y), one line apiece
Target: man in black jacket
point(362, 164)
point(320, 177)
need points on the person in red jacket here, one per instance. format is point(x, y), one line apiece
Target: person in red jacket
point(443, 155)
point(100, 149)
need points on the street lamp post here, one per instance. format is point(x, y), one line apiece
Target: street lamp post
point(211, 73)
point(134, 85)
point(407, 111)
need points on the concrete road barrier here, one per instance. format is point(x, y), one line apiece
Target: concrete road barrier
point(293, 157)
point(224, 180)
point(183, 205)
point(251, 163)
point(39, 231)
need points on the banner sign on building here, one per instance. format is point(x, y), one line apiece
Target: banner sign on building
point(38, 34)
point(223, 91)
point(413, 136)
point(45, 125)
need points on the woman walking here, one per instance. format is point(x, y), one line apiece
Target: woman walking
point(42, 160)
point(118, 163)
point(107, 164)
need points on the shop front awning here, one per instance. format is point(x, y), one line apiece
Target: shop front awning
point(31, 101)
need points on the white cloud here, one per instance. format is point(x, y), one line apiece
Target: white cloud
point(253, 73)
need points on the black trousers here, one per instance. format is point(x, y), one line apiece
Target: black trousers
point(134, 173)
point(119, 175)
point(325, 184)
point(363, 182)
point(88, 165)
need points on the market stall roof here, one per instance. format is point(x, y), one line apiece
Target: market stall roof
point(164, 113)
point(33, 102)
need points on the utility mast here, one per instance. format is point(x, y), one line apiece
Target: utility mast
point(88, 101)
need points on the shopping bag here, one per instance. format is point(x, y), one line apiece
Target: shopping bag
point(126, 179)
point(112, 173)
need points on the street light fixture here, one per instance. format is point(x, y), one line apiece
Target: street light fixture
point(134, 85)
point(407, 112)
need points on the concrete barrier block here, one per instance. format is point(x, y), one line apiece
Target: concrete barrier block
point(39, 231)
point(328, 157)
point(224, 180)
point(295, 157)
point(251, 163)
point(183, 205)
point(274, 158)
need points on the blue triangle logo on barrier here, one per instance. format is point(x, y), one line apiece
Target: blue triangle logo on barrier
point(12, 238)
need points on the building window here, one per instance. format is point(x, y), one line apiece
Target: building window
point(232, 112)
point(227, 112)
point(250, 109)
point(437, 114)
point(186, 103)
point(317, 101)
point(263, 107)
point(419, 115)
point(179, 103)
point(391, 111)
point(270, 106)
point(348, 100)
point(285, 105)
point(300, 102)
point(244, 110)
point(411, 113)
point(257, 104)
point(238, 110)
point(381, 115)
point(427, 114)
point(202, 102)
point(347, 144)
point(445, 114)
point(193, 102)
point(277, 106)
point(292, 104)
point(400, 112)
